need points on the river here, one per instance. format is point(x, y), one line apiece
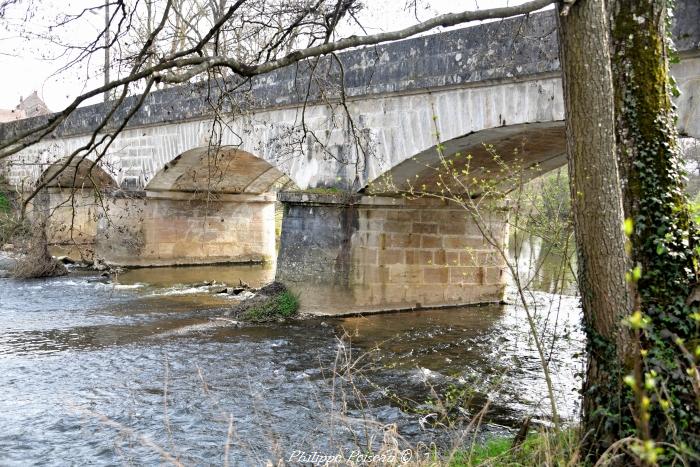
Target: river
point(150, 366)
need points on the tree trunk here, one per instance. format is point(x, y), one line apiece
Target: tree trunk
point(664, 236)
point(597, 214)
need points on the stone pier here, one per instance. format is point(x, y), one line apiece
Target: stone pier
point(361, 254)
point(72, 215)
point(177, 228)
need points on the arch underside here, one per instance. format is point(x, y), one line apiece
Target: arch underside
point(225, 170)
point(499, 158)
point(76, 173)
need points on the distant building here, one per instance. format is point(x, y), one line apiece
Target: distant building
point(29, 107)
point(7, 115)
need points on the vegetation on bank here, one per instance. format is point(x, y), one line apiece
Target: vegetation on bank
point(4, 203)
point(546, 205)
point(540, 448)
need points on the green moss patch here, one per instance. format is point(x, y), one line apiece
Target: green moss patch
point(284, 305)
point(271, 303)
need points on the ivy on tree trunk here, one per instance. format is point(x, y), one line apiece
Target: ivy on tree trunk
point(663, 236)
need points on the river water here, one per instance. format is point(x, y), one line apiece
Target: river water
point(150, 366)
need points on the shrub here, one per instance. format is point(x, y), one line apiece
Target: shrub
point(282, 305)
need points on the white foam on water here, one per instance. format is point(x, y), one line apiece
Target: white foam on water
point(180, 291)
point(72, 283)
point(196, 328)
point(123, 286)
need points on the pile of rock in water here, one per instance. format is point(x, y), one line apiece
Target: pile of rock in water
point(9, 261)
point(272, 302)
point(29, 263)
point(28, 266)
point(96, 265)
point(242, 291)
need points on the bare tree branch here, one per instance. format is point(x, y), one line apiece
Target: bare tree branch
point(189, 63)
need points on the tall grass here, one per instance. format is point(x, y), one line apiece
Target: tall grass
point(542, 448)
point(4, 203)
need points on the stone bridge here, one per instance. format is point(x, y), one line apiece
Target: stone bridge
point(196, 174)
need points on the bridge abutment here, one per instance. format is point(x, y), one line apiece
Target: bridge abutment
point(360, 254)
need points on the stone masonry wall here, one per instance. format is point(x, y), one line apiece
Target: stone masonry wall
point(373, 254)
point(427, 253)
point(156, 232)
point(73, 216)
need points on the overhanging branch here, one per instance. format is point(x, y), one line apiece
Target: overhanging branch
point(168, 69)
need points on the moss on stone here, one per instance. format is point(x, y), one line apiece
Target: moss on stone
point(271, 303)
point(282, 305)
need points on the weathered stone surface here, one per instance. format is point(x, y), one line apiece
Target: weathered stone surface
point(156, 231)
point(73, 216)
point(360, 255)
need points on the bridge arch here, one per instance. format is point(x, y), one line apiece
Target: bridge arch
point(78, 173)
point(491, 155)
point(206, 205)
point(223, 170)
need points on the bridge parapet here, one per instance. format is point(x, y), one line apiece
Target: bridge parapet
point(511, 49)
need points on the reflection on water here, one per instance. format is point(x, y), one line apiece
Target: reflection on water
point(490, 347)
point(156, 352)
point(255, 275)
point(543, 266)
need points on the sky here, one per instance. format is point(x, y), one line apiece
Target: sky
point(30, 63)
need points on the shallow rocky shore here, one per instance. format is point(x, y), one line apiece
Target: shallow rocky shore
point(245, 298)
